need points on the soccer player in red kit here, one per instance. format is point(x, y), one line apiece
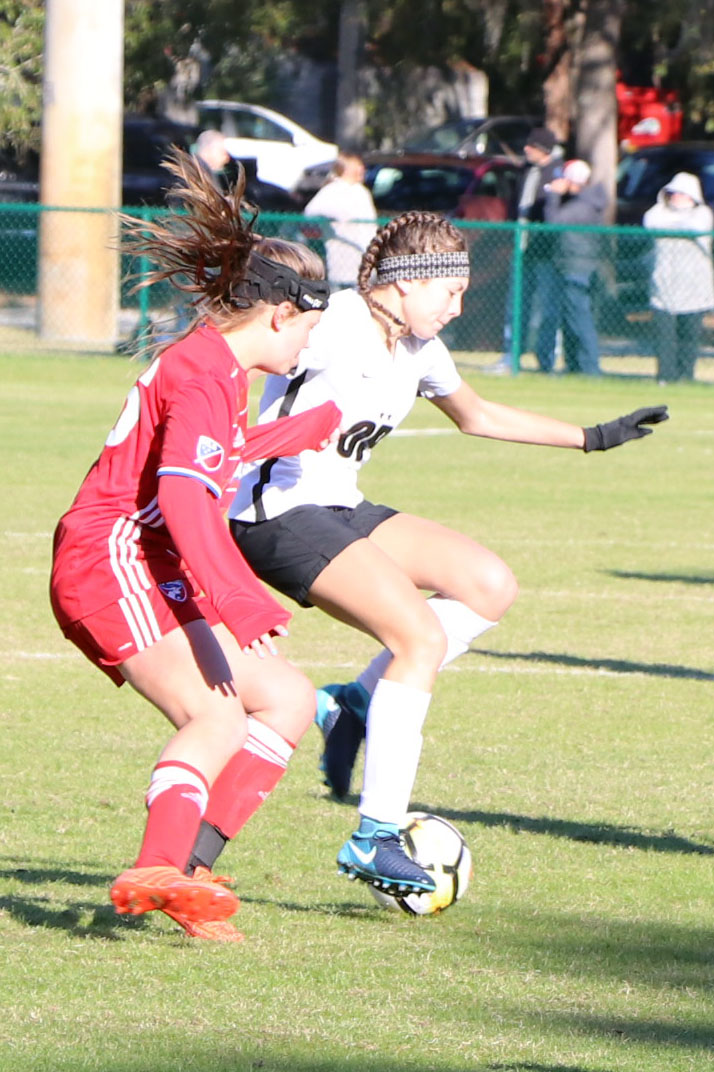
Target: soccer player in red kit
point(146, 579)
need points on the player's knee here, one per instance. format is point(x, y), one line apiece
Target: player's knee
point(505, 587)
point(425, 643)
point(302, 705)
point(497, 589)
point(289, 706)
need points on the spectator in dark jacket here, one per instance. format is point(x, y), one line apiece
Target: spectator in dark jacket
point(573, 201)
point(544, 161)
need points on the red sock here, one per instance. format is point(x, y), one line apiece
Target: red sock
point(176, 800)
point(248, 778)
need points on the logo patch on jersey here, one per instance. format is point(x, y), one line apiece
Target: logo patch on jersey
point(175, 590)
point(209, 454)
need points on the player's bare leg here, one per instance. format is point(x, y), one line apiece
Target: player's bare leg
point(473, 589)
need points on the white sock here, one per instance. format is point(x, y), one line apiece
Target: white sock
point(393, 747)
point(461, 625)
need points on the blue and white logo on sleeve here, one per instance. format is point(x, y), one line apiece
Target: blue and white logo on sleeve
point(175, 590)
point(209, 454)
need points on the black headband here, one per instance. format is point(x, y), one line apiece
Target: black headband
point(268, 281)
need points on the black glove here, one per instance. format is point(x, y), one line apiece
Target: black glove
point(612, 434)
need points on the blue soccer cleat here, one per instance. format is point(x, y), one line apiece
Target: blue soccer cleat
point(341, 716)
point(375, 854)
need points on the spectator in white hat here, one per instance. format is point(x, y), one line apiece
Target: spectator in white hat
point(682, 284)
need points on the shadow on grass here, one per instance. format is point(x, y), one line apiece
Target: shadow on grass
point(671, 578)
point(529, 1067)
point(613, 666)
point(364, 911)
point(625, 837)
point(34, 875)
point(644, 953)
point(595, 833)
point(81, 918)
point(87, 919)
point(698, 1036)
point(211, 1059)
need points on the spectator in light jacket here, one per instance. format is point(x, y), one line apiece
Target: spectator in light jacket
point(574, 201)
point(348, 204)
point(682, 282)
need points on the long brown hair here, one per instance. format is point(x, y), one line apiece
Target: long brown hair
point(411, 232)
point(202, 248)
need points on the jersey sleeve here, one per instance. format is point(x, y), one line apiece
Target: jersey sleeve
point(202, 539)
point(198, 434)
point(440, 376)
point(291, 435)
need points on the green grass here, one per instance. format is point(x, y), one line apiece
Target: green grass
point(572, 746)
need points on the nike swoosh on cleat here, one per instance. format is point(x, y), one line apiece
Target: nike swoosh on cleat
point(363, 857)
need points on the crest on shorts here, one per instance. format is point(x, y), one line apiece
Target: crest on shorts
point(209, 454)
point(175, 590)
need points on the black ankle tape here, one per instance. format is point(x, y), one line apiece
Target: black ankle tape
point(207, 847)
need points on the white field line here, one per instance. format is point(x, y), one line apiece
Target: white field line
point(619, 597)
point(455, 431)
point(519, 539)
point(413, 433)
point(9, 534)
point(505, 667)
point(460, 667)
point(40, 655)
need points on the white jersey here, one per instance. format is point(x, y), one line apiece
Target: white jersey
point(347, 361)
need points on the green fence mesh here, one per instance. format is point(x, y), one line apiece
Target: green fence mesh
point(503, 310)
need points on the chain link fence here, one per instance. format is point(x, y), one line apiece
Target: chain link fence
point(515, 308)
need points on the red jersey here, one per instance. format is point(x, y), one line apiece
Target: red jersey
point(185, 416)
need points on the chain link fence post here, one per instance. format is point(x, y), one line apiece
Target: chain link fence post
point(520, 237)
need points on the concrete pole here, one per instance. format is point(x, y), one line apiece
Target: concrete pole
point(81, 167)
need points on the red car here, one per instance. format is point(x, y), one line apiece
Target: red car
point(469, 188)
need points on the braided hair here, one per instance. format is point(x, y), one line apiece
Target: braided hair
point(203, 247)
point(411, 232)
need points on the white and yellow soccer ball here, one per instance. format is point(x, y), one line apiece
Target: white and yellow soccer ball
point(438, 847)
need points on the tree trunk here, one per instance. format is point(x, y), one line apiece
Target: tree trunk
point(596, 105)
point(557, 91)
point(351, 113)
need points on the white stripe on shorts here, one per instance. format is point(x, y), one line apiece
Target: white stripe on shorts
point(133, 583)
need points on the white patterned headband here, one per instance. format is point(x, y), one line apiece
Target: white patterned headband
point(423, 266)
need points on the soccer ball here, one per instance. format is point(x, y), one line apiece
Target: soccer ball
point(439, 848)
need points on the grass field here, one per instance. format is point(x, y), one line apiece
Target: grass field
point(573, 747)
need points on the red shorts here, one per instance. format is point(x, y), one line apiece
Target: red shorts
point(112, 635)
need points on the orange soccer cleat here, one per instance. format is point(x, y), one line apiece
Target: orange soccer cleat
point(201, 897)
point(212, 930)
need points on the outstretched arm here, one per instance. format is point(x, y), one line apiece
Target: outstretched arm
point(310, 430)
point(477, 416)
point(201, 536)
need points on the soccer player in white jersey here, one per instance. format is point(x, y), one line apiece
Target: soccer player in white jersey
point(146, 580)
point(304, 526)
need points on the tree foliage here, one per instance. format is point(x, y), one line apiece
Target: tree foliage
point(21, 42)
point(220, 47)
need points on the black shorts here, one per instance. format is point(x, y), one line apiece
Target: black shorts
point(288, 552)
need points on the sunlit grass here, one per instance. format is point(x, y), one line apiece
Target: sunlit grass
point(572, 746)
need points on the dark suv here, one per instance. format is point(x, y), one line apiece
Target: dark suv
point(145, 143)
point(642, 174)
point(499, 135)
